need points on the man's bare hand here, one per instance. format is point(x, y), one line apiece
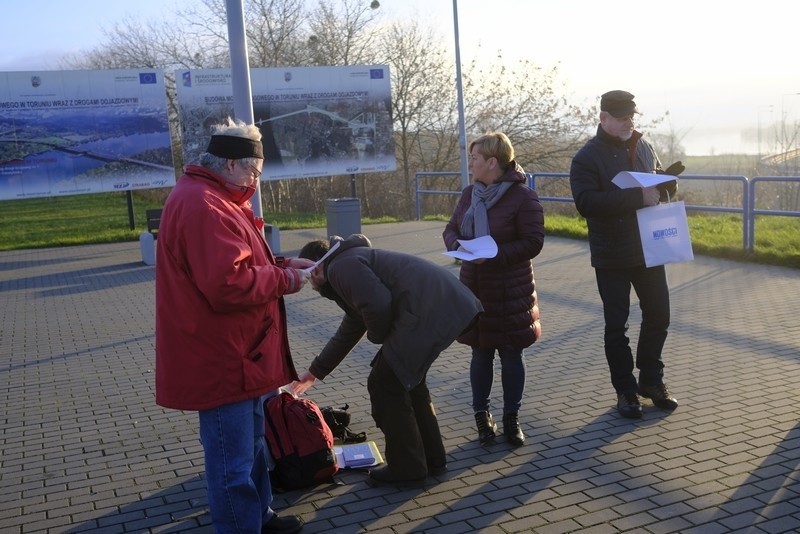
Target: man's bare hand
point(304, 381)
point(299, 263)
point(650, 196)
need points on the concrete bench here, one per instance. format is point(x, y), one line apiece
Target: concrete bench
point(147, 240)
point(153, 220)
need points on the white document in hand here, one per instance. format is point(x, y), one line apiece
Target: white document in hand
point(475, 249)
point(323, 258)
point(628, 179)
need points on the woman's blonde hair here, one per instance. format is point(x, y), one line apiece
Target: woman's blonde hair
point(495, 145)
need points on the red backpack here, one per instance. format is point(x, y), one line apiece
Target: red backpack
point(300, 442)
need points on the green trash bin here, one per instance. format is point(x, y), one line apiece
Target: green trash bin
point(343, 216)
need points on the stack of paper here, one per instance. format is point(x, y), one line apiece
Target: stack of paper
point(474, 249)
point(628, 179)
point(358, 455)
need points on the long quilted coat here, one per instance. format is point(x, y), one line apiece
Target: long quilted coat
point(504, 284)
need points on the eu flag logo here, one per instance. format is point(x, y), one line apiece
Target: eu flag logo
point(147, 77)
point(375, 74)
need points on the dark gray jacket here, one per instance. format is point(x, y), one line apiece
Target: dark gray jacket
point(413, 307)
point(610, 212)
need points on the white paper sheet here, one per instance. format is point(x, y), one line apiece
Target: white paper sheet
point(323, 258)
point(480, 247)
point(628, 179)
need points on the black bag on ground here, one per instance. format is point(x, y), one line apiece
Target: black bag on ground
point(300, 441)
point(338, 420)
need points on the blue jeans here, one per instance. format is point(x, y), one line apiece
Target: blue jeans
point(237, 466)
point(512, 376)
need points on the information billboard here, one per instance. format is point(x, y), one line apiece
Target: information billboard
point(315, 121)
point(73, 132)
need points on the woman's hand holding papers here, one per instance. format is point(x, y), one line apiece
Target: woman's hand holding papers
point(476, 250)
point(476, 261)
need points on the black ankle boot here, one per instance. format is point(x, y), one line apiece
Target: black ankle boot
point(487, 429)
point(512, 430)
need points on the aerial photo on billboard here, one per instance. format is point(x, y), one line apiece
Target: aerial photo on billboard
point(315, 121)
point(76, 132)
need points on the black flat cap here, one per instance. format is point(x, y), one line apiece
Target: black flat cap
point(618, 103)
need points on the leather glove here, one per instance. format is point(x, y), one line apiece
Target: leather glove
point(668, 189)
point(673, 170)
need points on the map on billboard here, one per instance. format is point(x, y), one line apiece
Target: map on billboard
point(315, 121)
point(74, 132)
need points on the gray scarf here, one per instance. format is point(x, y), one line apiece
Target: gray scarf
point(476, 219)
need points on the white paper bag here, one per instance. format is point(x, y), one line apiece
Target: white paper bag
point(665, 234)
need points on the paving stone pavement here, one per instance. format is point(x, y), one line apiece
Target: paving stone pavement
point(85, 448)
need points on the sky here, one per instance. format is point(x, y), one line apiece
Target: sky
point(716, 70)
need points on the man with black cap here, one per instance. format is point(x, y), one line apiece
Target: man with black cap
point(616, 250)
point(221, 339)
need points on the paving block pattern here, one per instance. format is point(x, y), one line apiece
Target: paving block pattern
point(85, 448)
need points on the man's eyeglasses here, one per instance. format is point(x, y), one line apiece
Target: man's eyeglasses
point(254, 170)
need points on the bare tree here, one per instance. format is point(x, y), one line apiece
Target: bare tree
point(528, 104)
point(276, 33)
point(339, 32)
point(131, 44)
point(668, 146)
point(423, 106)
point(522, 100)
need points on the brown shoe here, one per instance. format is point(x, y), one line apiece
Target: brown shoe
point(437, 470)
point(628, 405)
point(660, 395)
point(287, 524)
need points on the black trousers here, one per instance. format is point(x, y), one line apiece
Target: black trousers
point(651, 287)
point(408, 422)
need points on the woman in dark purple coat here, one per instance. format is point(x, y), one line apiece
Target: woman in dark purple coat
point(499, 204)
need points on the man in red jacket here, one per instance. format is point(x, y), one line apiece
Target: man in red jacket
point(221, 341)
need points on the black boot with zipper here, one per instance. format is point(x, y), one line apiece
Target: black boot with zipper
point(512, 430)
point(487, 429)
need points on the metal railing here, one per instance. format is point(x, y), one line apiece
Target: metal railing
point(753, 211)
point(419, 191)
point(747, 210)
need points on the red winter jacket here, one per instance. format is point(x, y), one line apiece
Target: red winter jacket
point(220, 316)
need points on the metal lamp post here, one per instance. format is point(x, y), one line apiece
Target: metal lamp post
point(240, 77)
point(760, 109)
point(462, 129)
point(784, 137)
